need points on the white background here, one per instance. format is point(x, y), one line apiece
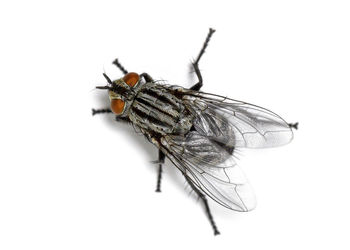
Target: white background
point(72, 181)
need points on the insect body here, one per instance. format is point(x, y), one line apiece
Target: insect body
point(198, 132)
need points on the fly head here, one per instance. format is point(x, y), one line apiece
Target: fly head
point(122, 92)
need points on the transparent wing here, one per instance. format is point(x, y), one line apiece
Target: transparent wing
point(235, 123)
point(210, 168)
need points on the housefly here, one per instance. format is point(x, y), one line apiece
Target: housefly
point(198, 132)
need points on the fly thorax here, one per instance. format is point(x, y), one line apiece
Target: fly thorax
point(155, 108)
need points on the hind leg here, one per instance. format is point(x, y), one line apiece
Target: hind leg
point(206, 205)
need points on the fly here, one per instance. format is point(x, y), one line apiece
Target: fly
point(198, 132)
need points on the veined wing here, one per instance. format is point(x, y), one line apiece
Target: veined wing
point(235, 123)
point(210, 168)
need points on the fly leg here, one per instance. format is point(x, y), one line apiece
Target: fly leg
point(122, 69)
point(122, 119)
point(199, 84)
point(105, 111)
point(101, 111)
point(161, 158)
point(294, 125)
point(205, 201)
point(147, 77)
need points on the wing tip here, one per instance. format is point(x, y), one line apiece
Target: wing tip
point(247, 197)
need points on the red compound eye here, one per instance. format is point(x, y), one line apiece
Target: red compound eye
point(117, 106)
point(131, 79)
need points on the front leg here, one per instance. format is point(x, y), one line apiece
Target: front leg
point(122, 119)
point(147, 77)
point(101, 111)
point(106, 111)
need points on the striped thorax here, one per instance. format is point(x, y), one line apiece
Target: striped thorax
point(156, 108)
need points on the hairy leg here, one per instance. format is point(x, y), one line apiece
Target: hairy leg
point(205, 201)
point(199, 84)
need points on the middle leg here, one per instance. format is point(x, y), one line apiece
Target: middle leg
point(161, 158)
point(199, 84)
